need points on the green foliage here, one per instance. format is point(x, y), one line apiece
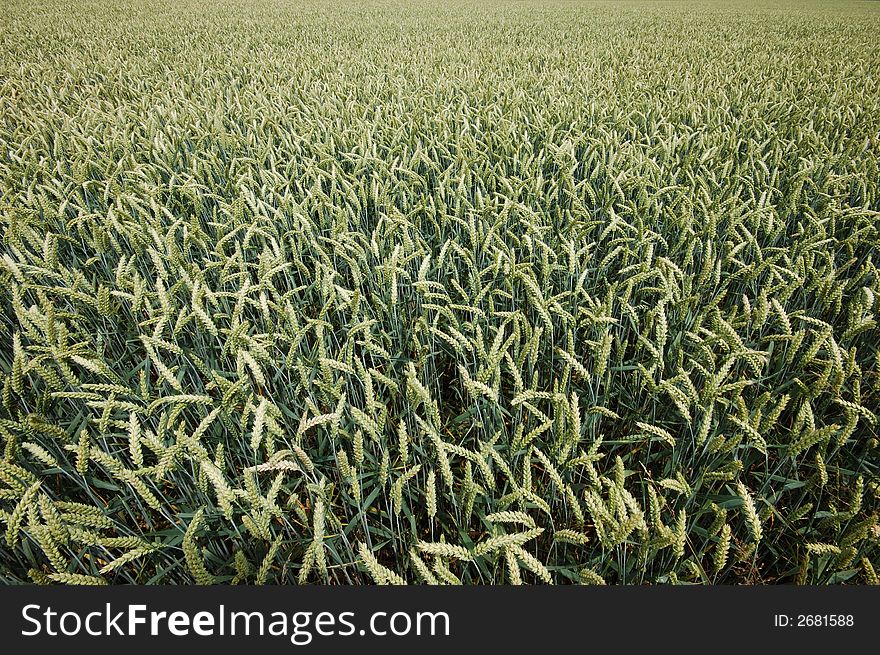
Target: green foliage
point(529, 292)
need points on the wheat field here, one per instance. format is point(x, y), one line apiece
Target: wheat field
point(496, 292)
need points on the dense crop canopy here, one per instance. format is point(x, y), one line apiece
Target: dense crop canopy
point(482, 293)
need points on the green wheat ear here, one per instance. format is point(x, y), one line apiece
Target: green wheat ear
point(751, 514)
point(379, 573)
point(192, 552)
